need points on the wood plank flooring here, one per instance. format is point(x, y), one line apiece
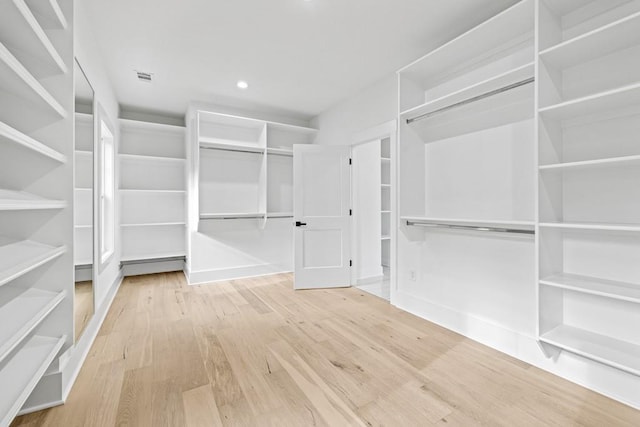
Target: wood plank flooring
point(255, 353)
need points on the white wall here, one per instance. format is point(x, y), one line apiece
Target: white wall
point(374, 105)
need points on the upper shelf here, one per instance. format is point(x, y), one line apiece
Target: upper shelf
point(48, 13)
point(14, 78)
point(20, 201)
point(600, 102)
point(127, 124)
point(618, 35)
point(20, 257)
point(11, 135)
point(509, 25)
point(21, 32)
point(228, 145)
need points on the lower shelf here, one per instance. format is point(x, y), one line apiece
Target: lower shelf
point(23, 372)
point(610, 351)
point(20, 257)
point(21, 310)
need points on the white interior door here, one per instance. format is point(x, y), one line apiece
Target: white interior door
point(322, 193)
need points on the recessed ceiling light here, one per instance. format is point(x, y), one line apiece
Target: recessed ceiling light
point(242, 84)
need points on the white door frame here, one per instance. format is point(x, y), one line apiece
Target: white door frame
point(385, 130)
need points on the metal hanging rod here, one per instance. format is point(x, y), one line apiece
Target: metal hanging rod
point(206, 217)
point(470, 227)
point(472, 99)
point(237, 150)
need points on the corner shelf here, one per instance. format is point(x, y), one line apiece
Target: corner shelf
point(20, 201)
point(594, 286)
point(618, 98)
point(603, 349)
point(20, 257)
point(33, 42)
point(23, 310)
point(11, 135)
point(593, 164)
point(49, 13)
point(615, 36)
point(17, 80)
point(23, 371)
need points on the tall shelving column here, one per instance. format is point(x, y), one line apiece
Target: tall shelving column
point(385, 203)
point(36, 202)
point(152, 191)
point(589, 169)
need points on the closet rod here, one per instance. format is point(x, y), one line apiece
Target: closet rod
point(232, 217)
point(472, 99)
point(237, 150)
point(470, 227)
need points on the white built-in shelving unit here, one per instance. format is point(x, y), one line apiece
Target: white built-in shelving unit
point(589, 210)
point(385, 201)
point(83, 188)
point(36, 196)
point(152, 191)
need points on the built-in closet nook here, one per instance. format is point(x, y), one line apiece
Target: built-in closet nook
point(486, 194)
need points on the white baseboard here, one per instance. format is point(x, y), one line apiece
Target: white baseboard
point(603, 379)
point(244, 272)
point(369, 280)
point(64, 379)
point(152, 267)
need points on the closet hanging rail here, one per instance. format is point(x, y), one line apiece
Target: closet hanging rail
point(470, 227)
point(204, 217)
point(471, 100)
point(237, 150)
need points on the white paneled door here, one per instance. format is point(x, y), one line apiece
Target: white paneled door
point(322, 197)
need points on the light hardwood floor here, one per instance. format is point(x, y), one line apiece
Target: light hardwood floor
point(254, 352)
point(83, 306)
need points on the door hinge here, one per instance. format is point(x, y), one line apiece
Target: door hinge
point(350, 263)
point(350, 162)
point(350, 212)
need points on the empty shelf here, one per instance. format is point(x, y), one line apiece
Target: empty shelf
point(593, 164)
point(22, 34)
point(613, 37)
point(610, 351)
point(604, 101)
point(15, 79)
point(20, 257)
point(48, 13)
point(591, 226)
point(23, 371)
point(19, 201)
point(21, 310)
point(11, 135)
point(595, 286)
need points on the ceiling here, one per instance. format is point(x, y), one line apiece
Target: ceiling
point(299, 57)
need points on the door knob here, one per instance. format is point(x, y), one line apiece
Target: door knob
point(300, 224)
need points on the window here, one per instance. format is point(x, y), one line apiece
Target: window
point(107, 192)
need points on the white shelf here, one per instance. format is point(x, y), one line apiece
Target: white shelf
point(48, 13)
point(615, 36)
point(154, 224)
point(159, 255)
point(510, 77)
point(512, 224)
point(143, 190)
point(610, 351)
point(591, 226)
point(14, 78)
point(20, 257)
point(150, 158)
point(32, 43)
point(594, 286)
point(23, 371)
point(229, 145)
point(127, 124)
point(280, 151)
point(604, 101)
point(20, 201)
point(292, 128)
point(21, 310)
point(11, 135)
point(513, 23)
point(593, 164)
point(239, 215)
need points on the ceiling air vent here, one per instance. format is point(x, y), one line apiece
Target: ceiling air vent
point(144, 77)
